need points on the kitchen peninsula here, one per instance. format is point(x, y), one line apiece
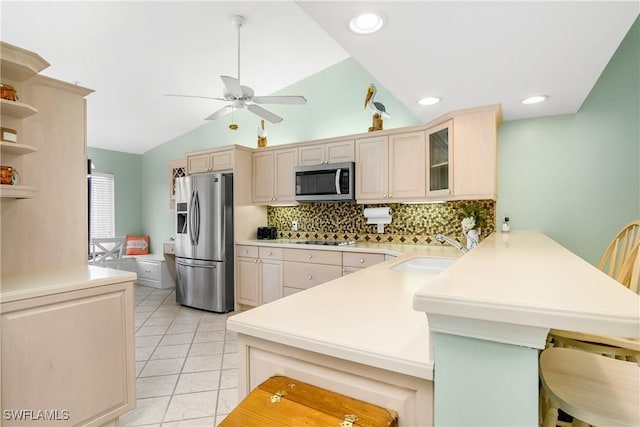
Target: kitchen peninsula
point(359, 335)
point(67, 346)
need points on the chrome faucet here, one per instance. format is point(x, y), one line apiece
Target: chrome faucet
point(452, 242)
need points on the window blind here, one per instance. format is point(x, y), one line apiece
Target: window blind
point(102, 205)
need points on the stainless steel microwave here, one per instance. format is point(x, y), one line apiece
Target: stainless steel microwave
point(325, 183)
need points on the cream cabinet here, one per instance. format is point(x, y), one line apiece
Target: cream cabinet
point(72, 352)
point(273, 176)
point(439, 154)
point(17, 67)
point(177, 169)
point(331, 152)
point(475, 153)
point(355, 261)
point(258, 275)
point(306, 268)
point(50, 157)
point(214, 161)
point(390, 168)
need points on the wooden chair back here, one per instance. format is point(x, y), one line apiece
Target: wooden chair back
point(621, 248)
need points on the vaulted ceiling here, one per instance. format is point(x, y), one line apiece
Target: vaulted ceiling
point(467, 53)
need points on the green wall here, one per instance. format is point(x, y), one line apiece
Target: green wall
point(335, 106)
point(127, 172)
point(576, 177)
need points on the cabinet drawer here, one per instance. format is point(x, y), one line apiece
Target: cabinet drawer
point(148, 270)
point(304, 276)
point(269, 252)
point(316, 257)
point(247, 251)
point(360, 260)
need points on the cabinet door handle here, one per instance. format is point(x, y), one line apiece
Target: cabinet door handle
point(310, 256)
point(270, 253)
point(361, 260)
point(310, 277)
point(344, 270)
point(255, 261)
point(384, 196)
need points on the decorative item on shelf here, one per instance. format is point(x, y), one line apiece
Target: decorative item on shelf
point(8, 92)
point(262, 135)
point(378, 109)
point(8, 135)
point(474, 218)
point(9, 176)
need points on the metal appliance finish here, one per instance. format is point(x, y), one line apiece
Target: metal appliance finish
point(204, 241)
point(325, 182)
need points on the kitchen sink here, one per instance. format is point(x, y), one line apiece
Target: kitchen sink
point(426, 264)
point(326, 242)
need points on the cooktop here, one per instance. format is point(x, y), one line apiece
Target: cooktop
point(326, 242)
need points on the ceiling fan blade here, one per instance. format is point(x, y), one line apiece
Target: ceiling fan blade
point(221, 112)
point(232, 86)
point(265, 114)
point(292, 100)
point(194, 96)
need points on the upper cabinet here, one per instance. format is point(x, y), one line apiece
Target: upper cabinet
point(210, 161)
point(439, 152)
point(331, 152)
point(390, 168)
point(273, 176)
point(475, 153)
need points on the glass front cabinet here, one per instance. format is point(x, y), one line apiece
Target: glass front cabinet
point(439, 155)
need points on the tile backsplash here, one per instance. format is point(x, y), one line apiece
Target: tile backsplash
point(411, 223)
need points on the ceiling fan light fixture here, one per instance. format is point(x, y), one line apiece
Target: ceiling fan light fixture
point(429, 100)
point(367, 22)
point(535, 99)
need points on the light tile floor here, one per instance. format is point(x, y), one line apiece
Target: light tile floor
point(186, 364)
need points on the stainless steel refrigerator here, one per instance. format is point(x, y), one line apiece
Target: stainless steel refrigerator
point(204, 241)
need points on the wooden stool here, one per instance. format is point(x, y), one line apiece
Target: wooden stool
point(596, 389)
point(282, 401)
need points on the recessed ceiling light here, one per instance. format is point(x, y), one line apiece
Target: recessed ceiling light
point(535, 99)
point(367, 23)
point(429, 100)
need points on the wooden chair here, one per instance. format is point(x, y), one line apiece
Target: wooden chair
point(107, 252)
point(594, 389)
point(619, 251)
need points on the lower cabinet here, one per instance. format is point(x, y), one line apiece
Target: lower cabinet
point(354, 261)
point(152, 270)
point(265, 273)
point(306, 268)
point(258, 275)
point(71, 355)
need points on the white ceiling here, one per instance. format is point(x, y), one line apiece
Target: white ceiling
point(468, 53)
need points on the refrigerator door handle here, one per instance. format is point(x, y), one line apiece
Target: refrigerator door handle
point(197, 218)
point(191, 224)
point(195, 265)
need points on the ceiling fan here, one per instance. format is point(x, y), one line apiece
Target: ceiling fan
point(240, 96)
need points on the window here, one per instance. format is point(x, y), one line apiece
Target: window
point(102, 212)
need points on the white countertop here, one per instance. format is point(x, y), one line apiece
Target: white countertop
point(366, 317)
point(393, 249)
point(37, 284)
point(528, 279)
